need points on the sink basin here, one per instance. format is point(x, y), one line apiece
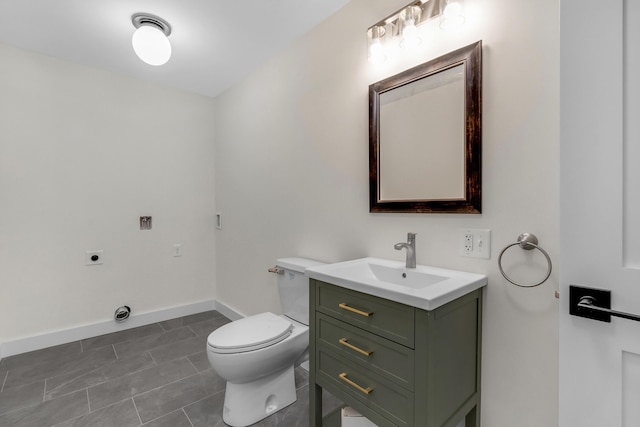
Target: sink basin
point(415, 278)
point(423, 287)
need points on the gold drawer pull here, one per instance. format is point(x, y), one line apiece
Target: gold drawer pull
point(344, 342)
point(343, 377)
point(355, 310)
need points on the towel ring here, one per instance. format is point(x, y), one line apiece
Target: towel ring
point(526, 241)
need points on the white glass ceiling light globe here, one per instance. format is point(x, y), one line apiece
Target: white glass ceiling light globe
point(151, 45)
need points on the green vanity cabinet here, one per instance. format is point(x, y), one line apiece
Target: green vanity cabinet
point(396, 364)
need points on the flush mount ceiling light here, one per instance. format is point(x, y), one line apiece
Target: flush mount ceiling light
point(150, 40)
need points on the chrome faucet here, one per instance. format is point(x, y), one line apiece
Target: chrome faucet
point(410, 246)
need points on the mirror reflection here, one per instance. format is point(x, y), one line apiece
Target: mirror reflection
point(417, 120)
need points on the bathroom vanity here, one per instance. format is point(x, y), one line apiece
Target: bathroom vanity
point(397, 364)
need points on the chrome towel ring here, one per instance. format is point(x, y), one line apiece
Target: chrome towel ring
point(526, 241)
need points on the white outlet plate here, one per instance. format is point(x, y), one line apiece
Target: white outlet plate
point(89, 257)
point(475, 242)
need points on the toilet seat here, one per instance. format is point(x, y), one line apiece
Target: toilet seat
point(251, 333)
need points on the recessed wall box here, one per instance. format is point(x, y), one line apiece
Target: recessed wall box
point(145, 223)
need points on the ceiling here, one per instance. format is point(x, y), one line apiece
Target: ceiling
point(215, 43)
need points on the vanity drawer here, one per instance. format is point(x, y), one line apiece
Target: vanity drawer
point(386, 318)
point(337, 374)
point(380, 355)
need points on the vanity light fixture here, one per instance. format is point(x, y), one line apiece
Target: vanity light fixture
point(402, 27)
point(150, 40)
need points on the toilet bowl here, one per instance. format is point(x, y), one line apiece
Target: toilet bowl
point(260, 372)
point(257, 355)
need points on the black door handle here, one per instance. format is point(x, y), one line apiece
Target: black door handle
point(594, 304)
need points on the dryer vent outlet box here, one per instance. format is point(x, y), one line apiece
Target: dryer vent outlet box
point(122, 313)
point(145, 223)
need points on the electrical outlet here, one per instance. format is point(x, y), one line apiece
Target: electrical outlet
point(475, 243)
point(467, 242)
point(93, 257)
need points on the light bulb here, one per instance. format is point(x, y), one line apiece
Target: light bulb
point(377, 54)
point(151, 45)
point(377, 51)
point(452, 17)
point(410, 38)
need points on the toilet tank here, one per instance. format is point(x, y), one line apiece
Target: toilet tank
point(293, 287)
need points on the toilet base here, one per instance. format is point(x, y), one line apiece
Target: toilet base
point(248, 403)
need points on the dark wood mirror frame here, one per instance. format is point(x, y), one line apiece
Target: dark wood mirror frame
point(471, 59)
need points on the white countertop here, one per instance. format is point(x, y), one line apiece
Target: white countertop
point(422, 287)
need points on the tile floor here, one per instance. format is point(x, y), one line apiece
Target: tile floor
point(155, 375)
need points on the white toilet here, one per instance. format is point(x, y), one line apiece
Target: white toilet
point(257, 354)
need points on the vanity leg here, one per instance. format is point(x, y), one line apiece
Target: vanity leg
point(315, 405)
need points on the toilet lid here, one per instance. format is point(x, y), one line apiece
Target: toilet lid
point(250, 333)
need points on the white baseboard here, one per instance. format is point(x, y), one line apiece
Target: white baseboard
point(228, 311)
point(37, 342)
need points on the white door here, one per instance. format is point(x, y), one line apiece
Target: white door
point(600, 209)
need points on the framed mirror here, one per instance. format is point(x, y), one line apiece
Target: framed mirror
point(425, 137)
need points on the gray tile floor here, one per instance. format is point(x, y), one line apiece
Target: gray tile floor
point(155, 375)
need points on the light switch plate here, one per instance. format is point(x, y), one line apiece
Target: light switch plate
point(177, 250)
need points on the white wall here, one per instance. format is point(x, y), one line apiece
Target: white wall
point(292, 180)
point(83, 154)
